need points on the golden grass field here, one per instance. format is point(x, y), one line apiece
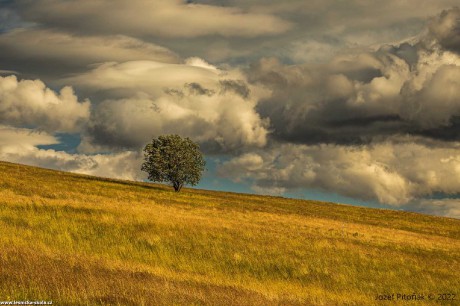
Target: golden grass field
point(80, 240)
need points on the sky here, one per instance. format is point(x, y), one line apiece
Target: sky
point(348, 101)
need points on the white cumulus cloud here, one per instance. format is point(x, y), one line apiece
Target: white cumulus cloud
point(31, 103)
point(19, 145)
point(194, 99)
point(392, 173)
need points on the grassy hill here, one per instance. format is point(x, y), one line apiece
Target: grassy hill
point(80, 240)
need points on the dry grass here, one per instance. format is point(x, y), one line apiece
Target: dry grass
point(79, 240)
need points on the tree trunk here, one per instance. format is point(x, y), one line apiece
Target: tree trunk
point(177, 186)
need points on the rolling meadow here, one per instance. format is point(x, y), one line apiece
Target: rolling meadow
point(81, 240)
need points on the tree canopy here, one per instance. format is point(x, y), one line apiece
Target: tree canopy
point(173, 159)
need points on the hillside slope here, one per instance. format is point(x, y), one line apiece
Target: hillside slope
point(79, 240)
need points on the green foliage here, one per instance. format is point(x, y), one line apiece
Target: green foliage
point(171, 158)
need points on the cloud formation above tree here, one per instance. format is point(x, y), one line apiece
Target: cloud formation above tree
point(147, 99)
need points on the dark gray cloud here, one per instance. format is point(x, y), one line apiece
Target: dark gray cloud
point(239, 87)
point(51, 54)
point(446, 29)
point(411, 88)
point(8, 18)
point(320, 28)
point(197, 89)
point(236, 86)
point(141, 18)
point(240, 31)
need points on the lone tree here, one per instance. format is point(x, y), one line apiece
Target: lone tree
point(171, 158)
